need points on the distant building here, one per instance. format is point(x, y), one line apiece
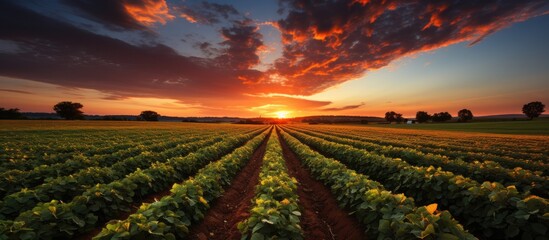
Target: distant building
point(411, 122)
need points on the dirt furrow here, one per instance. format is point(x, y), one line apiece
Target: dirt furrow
point(233, 206)
point(321, 216)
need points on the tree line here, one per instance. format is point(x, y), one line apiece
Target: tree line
point(72, 111)
point(531, 110)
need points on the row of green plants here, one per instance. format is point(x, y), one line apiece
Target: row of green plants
point(102, 202)
point(60, 145)
point(531, 148)
point(17, 180)
point(489, 209)
point(453, 150)
point(385, 215)
point(171, 216)
point(57, 147)
point(275, 211)
point(524, 180)
point(67, 187)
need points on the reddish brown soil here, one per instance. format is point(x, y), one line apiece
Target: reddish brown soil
point(220, 222)
point(321, 216)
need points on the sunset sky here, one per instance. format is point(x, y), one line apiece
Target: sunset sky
point(274, 58)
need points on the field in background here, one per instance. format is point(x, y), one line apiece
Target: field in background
point(133, 180)
point(536, 127)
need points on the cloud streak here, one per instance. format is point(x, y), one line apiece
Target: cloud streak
point(14, 91)
point(342, 108)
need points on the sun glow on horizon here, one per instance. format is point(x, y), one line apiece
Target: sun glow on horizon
point(282, 114)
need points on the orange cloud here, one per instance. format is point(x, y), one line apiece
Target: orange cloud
point(189, 18)
point(149, 12)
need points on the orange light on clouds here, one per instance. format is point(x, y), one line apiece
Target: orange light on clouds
point(189, 18)
point(154, 11)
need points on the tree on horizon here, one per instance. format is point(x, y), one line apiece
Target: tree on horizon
point(69, 110)
point(422, 117)
point(150, 116)
point(393, 117)
point(441, 117)
point(533, 109)
point(12, 113)
point(465, 115)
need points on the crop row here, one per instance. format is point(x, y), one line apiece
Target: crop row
point(531, 146)
point(46, 150)
point(67, 187)
point(275, 211)
point(488, 209)
point(452, 149)
point(59, 220)
point(54, 147)
point(386, 215)
point(17, 180)
point(524, 180)
point(171, 216)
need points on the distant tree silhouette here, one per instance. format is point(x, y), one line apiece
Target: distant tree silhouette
point(422, 116)
point(393, 117)
point(69, 110)
point(399, 118)
point(533, 109)
point(465, 115)
point(441, 117)
point(390, 116)
point(12, 113)
point(149, 116)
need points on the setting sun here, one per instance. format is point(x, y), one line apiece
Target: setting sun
point(282, 114)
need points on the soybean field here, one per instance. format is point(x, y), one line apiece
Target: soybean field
point(143, 180)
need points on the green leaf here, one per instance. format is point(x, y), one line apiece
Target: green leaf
point(78, 221)
point(27, 235)
point(384, 225)
point(447, 236)
point(430, 229)
point(297, 213)
point(257, 227)
point(257, 236)
point(170, 236)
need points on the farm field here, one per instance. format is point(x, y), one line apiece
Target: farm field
point(143, 180)
point(536, 127)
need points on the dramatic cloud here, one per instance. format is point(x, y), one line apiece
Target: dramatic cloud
point(243, 42)
point(80, 58)
point(330, 42)
point(325, 43)
point(125, 14)
point(207, 13)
